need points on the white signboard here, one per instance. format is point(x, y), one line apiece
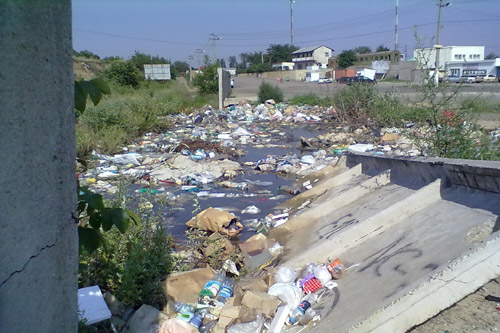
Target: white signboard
point(159, 72)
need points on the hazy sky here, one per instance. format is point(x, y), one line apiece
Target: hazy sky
point(178, 29)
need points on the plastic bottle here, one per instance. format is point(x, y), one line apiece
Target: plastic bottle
point(184, 311)
point(211, 288)
point(299, 312)
point(309, 315)
point(226, 290)
point(196, 320)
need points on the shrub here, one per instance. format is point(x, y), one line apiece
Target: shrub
point(207, 81)
point(131, 265)
point(354, 105)
point(267, 91)
point(124, 73)
point(310, 99)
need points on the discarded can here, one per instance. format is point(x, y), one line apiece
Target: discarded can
point(337, 269)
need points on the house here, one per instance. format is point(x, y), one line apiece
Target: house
point(284, 66)
point(311, 56)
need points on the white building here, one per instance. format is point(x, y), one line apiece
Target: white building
point(312, 56)
point(426, 58)
point(473, 68)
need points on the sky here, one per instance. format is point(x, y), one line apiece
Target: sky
point(185, 30)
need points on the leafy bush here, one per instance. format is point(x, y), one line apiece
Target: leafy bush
point(354, 105)
point(207, 81)
point(131, 265)
point(86, 54)
point(310, 99)
point(480, 105)
point(124, 73)
point(268, 91)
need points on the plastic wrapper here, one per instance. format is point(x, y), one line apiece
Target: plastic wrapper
point(251, 327)
point(286, 275)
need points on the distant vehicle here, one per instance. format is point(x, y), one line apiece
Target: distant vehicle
point(490, 78)
point(453, 79)
point(324, 80)
point(360, 79)
point(467, 79)
point(344, 79)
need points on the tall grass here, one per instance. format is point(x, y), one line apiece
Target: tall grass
point(128, 113)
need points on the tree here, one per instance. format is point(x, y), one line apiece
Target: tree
point(221, 62)
point(179, 67)
point(124, 73)
point(207, 81)
point(140, 59)
point(381, 48)
point(232, 62)
point(86, 54)
point(112, 58)
point(279, 53)
point(362, 50)
point(259, 68)
point(491, 56)
point(346, 58)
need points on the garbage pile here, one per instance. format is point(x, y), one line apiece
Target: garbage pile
point(275, 300)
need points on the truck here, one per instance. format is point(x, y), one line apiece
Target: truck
point(337, 74)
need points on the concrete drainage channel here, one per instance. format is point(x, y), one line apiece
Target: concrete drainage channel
point(414, 235)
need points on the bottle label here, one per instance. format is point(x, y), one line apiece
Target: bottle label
point(303, 306)
point(213, 287)
point(226, 292)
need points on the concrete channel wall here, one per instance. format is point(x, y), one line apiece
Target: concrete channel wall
point(416, 171)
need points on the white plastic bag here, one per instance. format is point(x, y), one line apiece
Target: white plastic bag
point(322, 274)
point(286, 274)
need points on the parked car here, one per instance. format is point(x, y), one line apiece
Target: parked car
point(344, 79)
point(490, 78)
point(361, 79)
point(453, 79)
point(325, 80)
point(467, 79)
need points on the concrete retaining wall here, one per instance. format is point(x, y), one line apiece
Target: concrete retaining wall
point(417, 171)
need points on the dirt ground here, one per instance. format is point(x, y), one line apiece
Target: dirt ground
point(472, 314)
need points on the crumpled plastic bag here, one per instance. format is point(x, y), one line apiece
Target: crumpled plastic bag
point(286, 274)
point(251, 327)
point(322, 274)
point(175, 325)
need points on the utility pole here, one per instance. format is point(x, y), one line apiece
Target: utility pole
point(396, 28)
point(214, 38)
point(291, 21)
point(199, 52)
point(438, 46)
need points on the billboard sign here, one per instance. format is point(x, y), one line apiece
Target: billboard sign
point(157, 72)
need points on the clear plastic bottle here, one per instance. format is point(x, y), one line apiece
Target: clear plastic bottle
point(299, 312)
point(309, 315)
point(226, 290)
point(184, 311)
point(211, 288)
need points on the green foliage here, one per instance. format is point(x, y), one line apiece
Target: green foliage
point(233, 62)
point(124, 73)
point(179, 67)
point(95, 89)
point(86, 54)
point(355, 105)
point(362, 50)
point(259, 68)
point(381, 48)
point(491, 56)
point(140, 59)
point(268, 91)
point(480, 105)
point(112, 59)
point(207, 80)
point(127, 113)
point(96, 218)
point(310, 99)
point(346, 58)
point(279, 53)
point(132, 264)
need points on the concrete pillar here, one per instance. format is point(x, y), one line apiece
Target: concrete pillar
point(38, 235)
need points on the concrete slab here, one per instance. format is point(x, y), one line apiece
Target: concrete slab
point(410, 241)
